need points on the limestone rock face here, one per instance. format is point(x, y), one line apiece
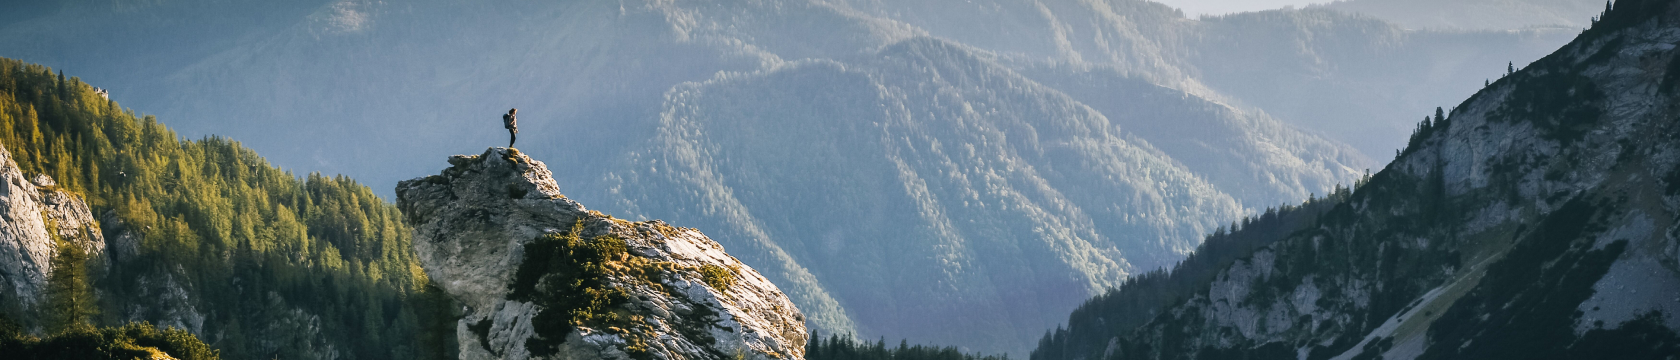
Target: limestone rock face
point(542, 277)
point(32, 213)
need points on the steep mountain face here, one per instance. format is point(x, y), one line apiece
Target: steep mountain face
point(1538, 221)
point(1475, 14)
point(40, 221)
point(544, 278)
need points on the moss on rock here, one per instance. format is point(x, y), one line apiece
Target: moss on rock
point(588, 283)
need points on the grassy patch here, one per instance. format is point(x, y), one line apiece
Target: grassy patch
point(718, 277)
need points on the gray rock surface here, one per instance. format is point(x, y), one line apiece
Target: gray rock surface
point(487, 224)
point(32, 213)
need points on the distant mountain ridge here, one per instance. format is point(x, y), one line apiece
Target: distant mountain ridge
point(1537, 221)
point(1474, 14)
point(1248, 154)
point(1352, 78)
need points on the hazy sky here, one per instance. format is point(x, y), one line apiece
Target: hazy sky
point(1192, 8)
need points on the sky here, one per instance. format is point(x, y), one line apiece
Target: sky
point(1194, 8)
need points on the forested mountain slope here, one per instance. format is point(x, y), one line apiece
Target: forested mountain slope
point(208, 237)
point(1537, 221)
point(982, 206)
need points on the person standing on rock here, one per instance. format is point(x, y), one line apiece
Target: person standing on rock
point(511, 122)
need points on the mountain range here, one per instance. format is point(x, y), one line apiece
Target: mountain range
point(956, 172)
point(1475, 14)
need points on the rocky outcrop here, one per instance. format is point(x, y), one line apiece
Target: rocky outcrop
point(36, 215)
point(542, 277)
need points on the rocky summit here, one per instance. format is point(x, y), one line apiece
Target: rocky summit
point(542, 277)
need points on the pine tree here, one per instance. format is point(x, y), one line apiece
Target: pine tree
point(68, 294)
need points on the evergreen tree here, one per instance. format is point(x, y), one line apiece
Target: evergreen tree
point(844, 347)
point(69, 297)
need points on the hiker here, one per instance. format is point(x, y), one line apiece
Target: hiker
point(511, 122)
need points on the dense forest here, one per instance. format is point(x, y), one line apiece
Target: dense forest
point(263, 262)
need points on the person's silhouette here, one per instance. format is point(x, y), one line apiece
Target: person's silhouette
point(511, 122)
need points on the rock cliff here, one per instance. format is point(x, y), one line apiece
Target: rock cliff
point(542, 277)
point(36, 216)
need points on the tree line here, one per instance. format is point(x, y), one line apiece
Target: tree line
point(844, 347)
